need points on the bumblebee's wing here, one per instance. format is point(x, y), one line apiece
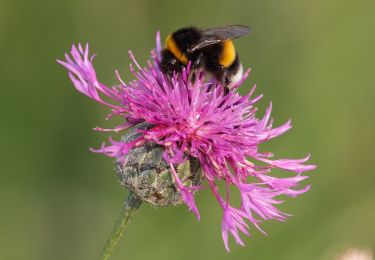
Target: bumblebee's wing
point(219, 34)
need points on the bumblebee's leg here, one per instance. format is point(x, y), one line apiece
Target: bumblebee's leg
point(225, 81)
point(193, 76)
point(197, 61)
point(222, 77)
point(196, 64)
point(226, 90)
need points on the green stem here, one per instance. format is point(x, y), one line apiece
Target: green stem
point(130, 207)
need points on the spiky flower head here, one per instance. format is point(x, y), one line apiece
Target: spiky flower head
point(196, 119)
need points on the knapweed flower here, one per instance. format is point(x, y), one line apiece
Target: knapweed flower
point(194, 119)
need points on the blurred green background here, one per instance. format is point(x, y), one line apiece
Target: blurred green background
point(314, 59)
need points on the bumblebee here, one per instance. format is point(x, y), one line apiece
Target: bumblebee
point(209, 49)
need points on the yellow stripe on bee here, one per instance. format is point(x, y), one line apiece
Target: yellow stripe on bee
point(170, 45)
point(228, 54)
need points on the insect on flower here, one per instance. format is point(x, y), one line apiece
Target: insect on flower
point(186, 135)
point(209, 49)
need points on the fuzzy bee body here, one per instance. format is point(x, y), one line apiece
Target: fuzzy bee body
point(209, 49)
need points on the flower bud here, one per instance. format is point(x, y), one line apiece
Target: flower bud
point(148, 176)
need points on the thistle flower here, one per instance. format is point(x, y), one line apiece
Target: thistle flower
point(196, 120)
